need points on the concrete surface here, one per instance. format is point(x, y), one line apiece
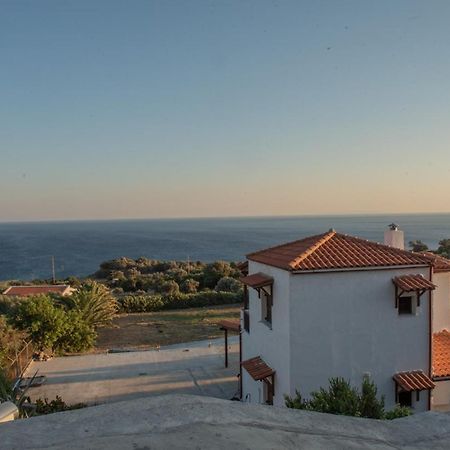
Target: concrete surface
point(190, 422)
point(192, 368)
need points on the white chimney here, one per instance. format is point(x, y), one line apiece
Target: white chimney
point(394, 237)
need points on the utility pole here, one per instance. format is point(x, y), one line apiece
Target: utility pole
point(53, 270)
point(189, 265)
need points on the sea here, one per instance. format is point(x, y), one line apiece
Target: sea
point(78, 247)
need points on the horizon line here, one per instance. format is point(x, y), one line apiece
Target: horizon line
point(286, 216)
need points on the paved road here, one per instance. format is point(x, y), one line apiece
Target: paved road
point(193, 368)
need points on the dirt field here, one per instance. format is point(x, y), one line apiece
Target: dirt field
point(148, 330)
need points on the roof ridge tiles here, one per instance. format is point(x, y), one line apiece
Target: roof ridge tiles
point(295, 262)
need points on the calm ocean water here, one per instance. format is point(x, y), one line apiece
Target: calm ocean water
point(79, 247)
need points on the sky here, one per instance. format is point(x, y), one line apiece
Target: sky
point(201, 108)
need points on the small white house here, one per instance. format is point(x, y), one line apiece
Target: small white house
point(334, 305)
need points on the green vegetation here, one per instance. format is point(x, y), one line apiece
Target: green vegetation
point(10, 342)
point(418, 246)
point(150, 303)
point(165, 277)
point(94, 303)
point(58, 405)
point(51, 326)
point(444, 248)
point(340, 398)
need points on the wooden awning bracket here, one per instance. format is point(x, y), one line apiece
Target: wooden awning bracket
point(399, 293)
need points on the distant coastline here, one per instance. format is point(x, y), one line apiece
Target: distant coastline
point(79, 247)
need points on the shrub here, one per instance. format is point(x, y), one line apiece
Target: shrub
point(44, 321)
point(10, 341)
point(78, 335)
point(214, 272)
point(397, 412)
point(141, 303)
point(57, 405)
point(369, 405)
point(341, 398)
point(9, 304)
point(169, 288)
point(189, 286)
point(150, 303)
point(228, 284)
point(50, 326)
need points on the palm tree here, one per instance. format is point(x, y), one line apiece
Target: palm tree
point(95, 303)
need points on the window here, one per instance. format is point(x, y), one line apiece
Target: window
point(246, 311)
point(405, 305)
point(266, 307)
point(404, 398)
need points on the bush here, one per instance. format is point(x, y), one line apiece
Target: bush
point(78, 335)
point(228, 284)
point(341, 398)
point(45, 322)
point(10, 341)
point(189, 286)
point(57, 405)
point(9, 304)
point(50, 326)
point(397, 412)
point(150, 303)
point(214, 272)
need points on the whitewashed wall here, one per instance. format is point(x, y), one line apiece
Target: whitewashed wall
point(441, 301)
point(345, 324)
point(271, 344)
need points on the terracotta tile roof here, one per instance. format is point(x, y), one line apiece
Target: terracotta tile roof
point(24, 291)
point(233, 325)
point(441, 354)
point(257, 368)
point(439, 263)
point(333, 250)
point(257, 280)
point(409, 283)
point(413, 381)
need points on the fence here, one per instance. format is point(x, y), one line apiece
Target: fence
point(21, 361)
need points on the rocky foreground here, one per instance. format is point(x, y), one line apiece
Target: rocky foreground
point(183, 421)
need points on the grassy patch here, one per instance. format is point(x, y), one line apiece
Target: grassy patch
point(150, 330)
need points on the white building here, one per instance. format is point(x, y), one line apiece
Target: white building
point(333, 305)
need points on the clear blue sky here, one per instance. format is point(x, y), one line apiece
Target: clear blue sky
point(114, 109)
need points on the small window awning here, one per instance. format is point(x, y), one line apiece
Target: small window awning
point(243, 267)
point(257, 280)
point(231, 325)
point(411, 283)
point(413, 381)
point(257, 368)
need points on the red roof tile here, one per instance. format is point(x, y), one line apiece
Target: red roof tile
point(439, 263)
point(24, 291)
point(257, 368)
point(413, 381)
point(257, 280)
point(441, 354)
point(335, 251)
point(410, 283)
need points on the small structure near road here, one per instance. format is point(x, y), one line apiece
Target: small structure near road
point(41, 289)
